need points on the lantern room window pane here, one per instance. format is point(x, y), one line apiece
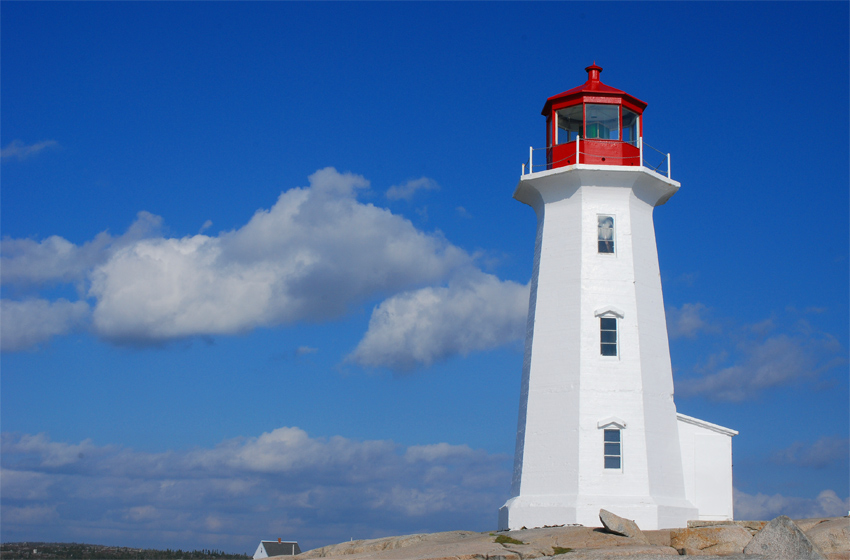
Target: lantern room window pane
point(631, 126)
point(570, 122)
point(603, 121)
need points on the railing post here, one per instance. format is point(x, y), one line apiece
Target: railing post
point(578, 152)
point(523, 170)
point(668, 165)
point(531, 159)
point(640, 147)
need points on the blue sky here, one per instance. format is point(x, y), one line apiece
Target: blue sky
point(262, 274)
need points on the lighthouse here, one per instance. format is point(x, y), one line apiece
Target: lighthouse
point(598, 427)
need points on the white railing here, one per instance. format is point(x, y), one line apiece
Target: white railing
point(653, 158)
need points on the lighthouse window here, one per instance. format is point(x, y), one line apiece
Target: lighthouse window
point(570, 122)
point(603, 121)
point(613, 449)
point(605, 233)
point(608, 336)
point(631, 126)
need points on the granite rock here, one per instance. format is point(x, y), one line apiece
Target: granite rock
point(723, 539)
point(752, 526)
point(831, 536)
point(781, 539)
point(589, 543)
point(639, 552)
point(622, 526)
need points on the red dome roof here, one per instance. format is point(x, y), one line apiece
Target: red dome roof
point(593, 87)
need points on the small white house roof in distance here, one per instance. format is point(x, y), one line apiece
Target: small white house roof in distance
point(277, 548)
point(707, 425)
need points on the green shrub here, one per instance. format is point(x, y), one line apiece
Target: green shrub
point(504, 539)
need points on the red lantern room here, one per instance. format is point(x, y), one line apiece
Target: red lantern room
point(593, 124)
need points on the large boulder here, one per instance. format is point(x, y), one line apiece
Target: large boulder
point(831, 536)
point(622, 526)
point(723, 539)
point(781, 539)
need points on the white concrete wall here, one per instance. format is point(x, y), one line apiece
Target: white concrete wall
point(568, 387)
point(707, 464)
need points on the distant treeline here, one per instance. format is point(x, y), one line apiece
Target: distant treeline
point(41, 550)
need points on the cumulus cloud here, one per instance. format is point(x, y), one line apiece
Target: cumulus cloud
point(824, 452)
point(16, 149)
point(25, 324)
point(762, 506)
point(686, 321)
point(26, 264)
point(324, 490)
point(420, 327)
point(407, 190)
point(309, 257)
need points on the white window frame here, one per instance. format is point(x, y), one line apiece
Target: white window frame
point(610, 312)
point(618, 425)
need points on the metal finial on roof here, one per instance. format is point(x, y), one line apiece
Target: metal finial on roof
point(593, 72)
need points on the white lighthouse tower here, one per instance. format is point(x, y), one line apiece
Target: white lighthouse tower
point(597, 424)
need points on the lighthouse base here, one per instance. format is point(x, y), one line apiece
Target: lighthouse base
point(530, 511)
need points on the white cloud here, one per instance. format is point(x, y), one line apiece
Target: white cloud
point(476, 312)
point(309, 257)
point(50, 453)
point(321, 490)
point(408, 189)
point(30, 515)
point(24, 324)
point(823, 453)
point(25, 263)
point(316, 252)
point(763, 363)
point(24, 485)
point(16, 149)
point(764, 507)
point(686, 321)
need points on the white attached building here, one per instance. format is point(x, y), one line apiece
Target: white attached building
point(598, 427)
point(277, 548)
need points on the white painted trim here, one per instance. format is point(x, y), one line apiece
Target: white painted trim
point(707, 425)
point(597, 167)
point(605, 422)
point(609, 310)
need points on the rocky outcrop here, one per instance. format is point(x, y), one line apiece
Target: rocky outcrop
point(621, 526)
point(831, 537)
point(723, 539)
point(783, 540)
point(827, 539)
point(367, 548)
point(752, 526)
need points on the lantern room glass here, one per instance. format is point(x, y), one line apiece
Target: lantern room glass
point(603, 121)
point(570, 123)
point(631, 126)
